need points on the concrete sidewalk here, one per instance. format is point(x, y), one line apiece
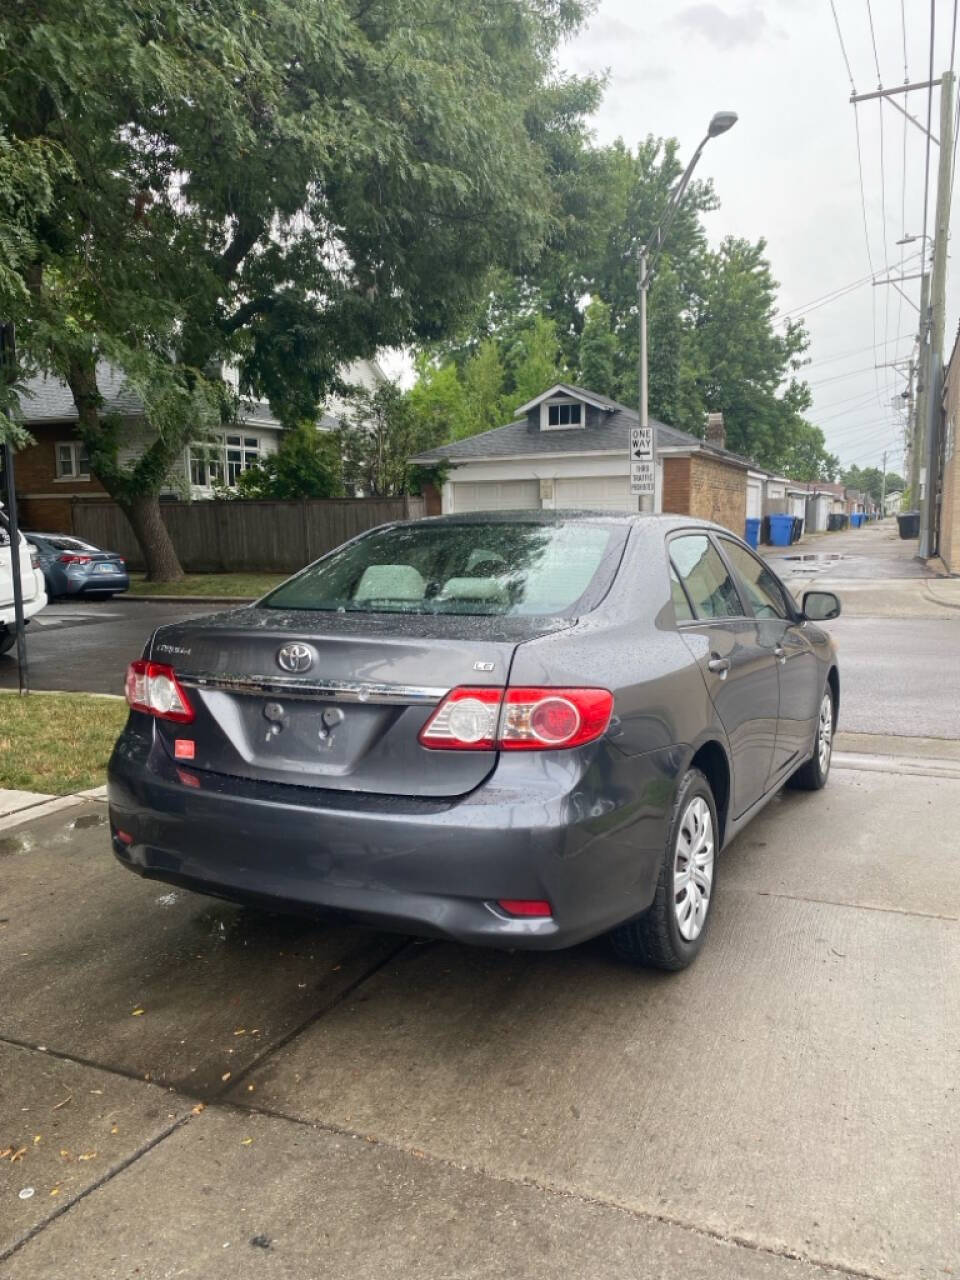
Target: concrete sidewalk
point(197, 1090)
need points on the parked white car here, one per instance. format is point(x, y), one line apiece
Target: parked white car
point(31, 578)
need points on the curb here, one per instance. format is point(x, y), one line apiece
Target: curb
point(43, 807)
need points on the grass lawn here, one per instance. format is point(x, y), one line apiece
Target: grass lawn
point(209, 584)
point(57, 742)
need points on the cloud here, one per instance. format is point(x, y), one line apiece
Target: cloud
point(722, 29)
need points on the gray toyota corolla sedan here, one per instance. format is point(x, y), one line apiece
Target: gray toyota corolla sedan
point(518, 729)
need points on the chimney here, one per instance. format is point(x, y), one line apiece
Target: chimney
point(716, 433)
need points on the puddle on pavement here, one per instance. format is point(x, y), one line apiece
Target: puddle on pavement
point(90, 820)
point(10, 845)
point(820, 557)
point(242, 926)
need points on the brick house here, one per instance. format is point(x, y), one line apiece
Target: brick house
point(569, 448)
point(53, 474)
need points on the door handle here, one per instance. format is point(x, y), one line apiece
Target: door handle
point(719, 665)
point(780, 654)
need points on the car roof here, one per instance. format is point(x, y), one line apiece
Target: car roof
point(623, 518)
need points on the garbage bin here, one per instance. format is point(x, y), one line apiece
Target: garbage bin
point(781, 530)
point(797, 533)
point(752, 535)
point(856, 520)
point(909, 522)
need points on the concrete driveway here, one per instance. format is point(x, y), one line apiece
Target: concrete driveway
point(192, 1089)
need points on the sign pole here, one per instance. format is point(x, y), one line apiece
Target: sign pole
point(643, 438)
point(7, 364)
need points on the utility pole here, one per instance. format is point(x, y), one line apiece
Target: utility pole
point(938, 299)
point(920, 404)
point(883, 487)
point(7, 373)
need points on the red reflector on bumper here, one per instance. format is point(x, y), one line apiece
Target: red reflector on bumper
point(525, 906)
point(124, 836)
point(184, 748)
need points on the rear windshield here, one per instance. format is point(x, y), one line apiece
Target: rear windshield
point(499, 569)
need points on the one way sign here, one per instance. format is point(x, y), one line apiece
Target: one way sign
point(641, 461)
point(641, 444)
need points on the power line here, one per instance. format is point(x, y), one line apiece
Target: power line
point(834, 294)
point(873, 39)
point(843, 47)
point(903, 27)
point(854, 351)
point(926, 171)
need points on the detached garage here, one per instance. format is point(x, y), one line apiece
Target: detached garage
point(568, 450)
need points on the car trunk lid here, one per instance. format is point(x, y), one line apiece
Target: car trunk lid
point(334, 700)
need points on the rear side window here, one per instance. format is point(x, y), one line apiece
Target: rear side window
point(703, 573)
point(762, 588)
point(681, 605)
point(497, 568)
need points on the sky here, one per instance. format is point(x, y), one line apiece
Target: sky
point(788, 171)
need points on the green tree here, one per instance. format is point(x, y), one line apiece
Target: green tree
point(533, 364)
point(749, 361)
point(287, 184)
point(307, 464)
point(379, 432)
point(598, 350)
point(483, 396)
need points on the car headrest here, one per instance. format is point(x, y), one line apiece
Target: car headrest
point(390, 582)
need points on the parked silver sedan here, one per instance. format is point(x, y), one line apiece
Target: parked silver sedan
point(72, 567)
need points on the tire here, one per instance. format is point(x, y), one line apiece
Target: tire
point(7, 640)
point(813, 775)
point(658, 938)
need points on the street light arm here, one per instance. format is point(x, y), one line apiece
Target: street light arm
point(650, 252)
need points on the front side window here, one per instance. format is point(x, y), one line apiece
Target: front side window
point(507, 569)
point(762, 588)
point(701, 570)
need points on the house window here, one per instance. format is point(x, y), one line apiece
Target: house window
point(564, 415)
point(72, 461)
point(221, 460)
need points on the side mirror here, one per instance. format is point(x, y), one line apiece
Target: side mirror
point(820, 606)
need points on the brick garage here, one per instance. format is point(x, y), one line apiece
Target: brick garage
point(46, 499)
point(709, 488)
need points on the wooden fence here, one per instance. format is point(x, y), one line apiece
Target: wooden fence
point(243, 536)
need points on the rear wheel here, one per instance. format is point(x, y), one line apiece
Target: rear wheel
point(813, 775)
point(7, 640)
point(670, 934)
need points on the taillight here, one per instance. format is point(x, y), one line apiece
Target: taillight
point(466, 720)
point(521, 719)
point(70, 557)
point(153, 687)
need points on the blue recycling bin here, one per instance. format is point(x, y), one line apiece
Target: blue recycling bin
point(752, 534)
point(781, 530)
point(856, 519)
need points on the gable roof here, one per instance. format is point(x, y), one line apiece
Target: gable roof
point(611, 435)
point(574, 393)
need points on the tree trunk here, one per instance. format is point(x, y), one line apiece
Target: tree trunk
point(159, 553)
point(142, 510)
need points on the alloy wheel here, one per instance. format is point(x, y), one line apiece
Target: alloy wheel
point(825, 732)
point(693, 868)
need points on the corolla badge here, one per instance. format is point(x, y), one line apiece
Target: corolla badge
point(295, 658)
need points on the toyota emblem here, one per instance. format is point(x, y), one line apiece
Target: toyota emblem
point(295, 658)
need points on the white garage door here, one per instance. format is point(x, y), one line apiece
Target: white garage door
point(754, 499)
point(594, 493)
point(496, 495)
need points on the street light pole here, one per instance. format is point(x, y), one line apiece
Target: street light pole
point(647, 259)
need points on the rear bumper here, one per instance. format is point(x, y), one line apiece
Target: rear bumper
point(30, 607)
point(584, 833)
point(95, 582)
